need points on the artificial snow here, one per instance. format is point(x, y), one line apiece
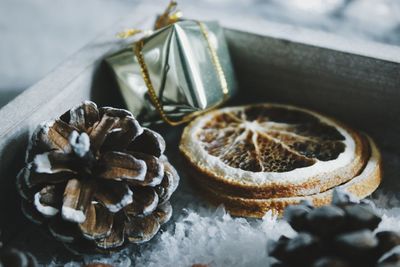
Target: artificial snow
point(202, 234)
point(213, 237)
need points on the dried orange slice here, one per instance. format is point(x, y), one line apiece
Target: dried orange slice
point(361, 186)
point(272, 151)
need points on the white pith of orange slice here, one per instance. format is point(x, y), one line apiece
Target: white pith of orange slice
point(268, 151)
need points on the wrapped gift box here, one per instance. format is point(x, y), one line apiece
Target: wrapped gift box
point(355, 81)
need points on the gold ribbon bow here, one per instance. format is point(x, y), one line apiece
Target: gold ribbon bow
point(170, 16)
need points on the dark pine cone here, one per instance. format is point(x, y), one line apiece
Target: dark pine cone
point(337, 235)
point(15, 258)
point(97, 178)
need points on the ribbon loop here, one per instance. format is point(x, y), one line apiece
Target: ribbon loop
point(170, 16)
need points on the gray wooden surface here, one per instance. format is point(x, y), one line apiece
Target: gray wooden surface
point(356, 82)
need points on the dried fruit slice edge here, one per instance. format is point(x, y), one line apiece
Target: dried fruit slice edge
point(229, 161)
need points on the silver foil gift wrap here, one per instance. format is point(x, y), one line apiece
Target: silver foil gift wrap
point(175, 73)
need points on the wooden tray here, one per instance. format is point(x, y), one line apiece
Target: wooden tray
point(355, 81)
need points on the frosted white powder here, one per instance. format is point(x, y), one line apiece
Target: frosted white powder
point(158, 178)
point(125, 200)
point(47, 211)
point(149, 209)
point(43, 165)
point(80, 143)
point(47, 125)
point(73, 215)
point(143, 170)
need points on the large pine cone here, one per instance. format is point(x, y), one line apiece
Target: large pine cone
point(97, 178)
point(337, 235)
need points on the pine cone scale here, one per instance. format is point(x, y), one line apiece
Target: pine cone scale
point(113, 195)
point(145, 201)
point(51, 195)
point(119, 165)
point(124, 131)
point(141, 229)
point(83, 117)
point(52, 162)
point(77, 198)
point(163, 213)
point(48, 199)
point(116, 237)
point(149, 142)
point(28, 178)
point(155, 169)
point(30, 212)
point(168, 184)
point(100, 132)
point(15, 258)
point(98, 223)
point(63, 230)
point(117, 128)
point(56, 134)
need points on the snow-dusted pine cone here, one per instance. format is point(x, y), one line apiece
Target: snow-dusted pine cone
point(97, 178)
point(336, 235)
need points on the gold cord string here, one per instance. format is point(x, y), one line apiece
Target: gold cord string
point(215, 59)
point(152, 93)
point(168, 17)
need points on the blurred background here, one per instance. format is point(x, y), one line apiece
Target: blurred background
point(37, 35)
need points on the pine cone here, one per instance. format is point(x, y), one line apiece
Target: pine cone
point(97, 178)
point(340, 234)
point(16, 258)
